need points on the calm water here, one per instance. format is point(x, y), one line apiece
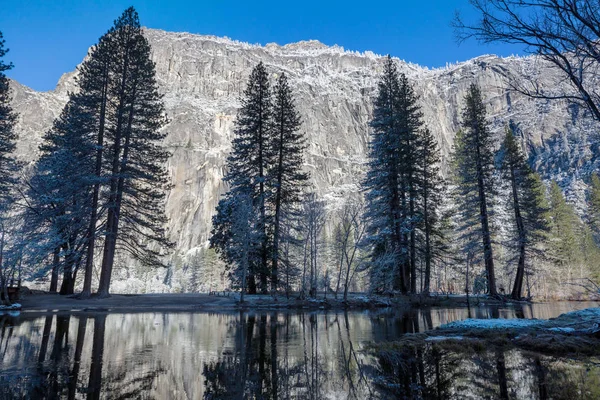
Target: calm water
point(274, 355)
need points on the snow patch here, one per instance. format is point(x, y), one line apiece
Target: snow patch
point(441, 338)
point(492, 324)
point(562, 330)
point(15, 306)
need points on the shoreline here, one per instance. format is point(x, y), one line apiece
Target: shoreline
point(198, 302)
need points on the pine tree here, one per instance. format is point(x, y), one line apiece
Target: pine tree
point(286, 176)
point(134, 159)
point(564, 243)
point(410, 127)
point(432, 189)
point(474, 163)
point(528, 205)
point(391, 181)
point(247, 172)
point(93, 81)
point(594, 205)
point(8, 163)
point(59, 195)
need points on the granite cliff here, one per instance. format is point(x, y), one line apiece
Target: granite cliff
point(202, 78)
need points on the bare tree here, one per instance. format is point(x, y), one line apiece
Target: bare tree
point(312, 227)
point(349, 234)
point(562, 32)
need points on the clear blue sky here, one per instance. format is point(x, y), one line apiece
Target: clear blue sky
point(49, 37)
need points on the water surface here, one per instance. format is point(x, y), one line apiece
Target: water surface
point(275, 355)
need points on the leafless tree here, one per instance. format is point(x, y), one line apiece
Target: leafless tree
point(349, 234)
point(312, 226)
point(565, 33)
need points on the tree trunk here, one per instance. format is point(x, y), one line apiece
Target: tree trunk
point(485, 227)
point(517, 291)
point(111, 222)
point(55, 267)
point(91, 234)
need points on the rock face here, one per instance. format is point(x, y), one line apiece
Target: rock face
point(203, 77)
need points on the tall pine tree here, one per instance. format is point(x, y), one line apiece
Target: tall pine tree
point(474, 163)
point(286, 175)
point(8, 163)
point(528, 205)
point(392, 179)
point(135, 160)
point(59, 195)
point(247, 172)
point(563, 236)
point(431, 190)
point(594, 205)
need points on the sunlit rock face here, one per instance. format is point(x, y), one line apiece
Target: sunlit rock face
point(203, 77)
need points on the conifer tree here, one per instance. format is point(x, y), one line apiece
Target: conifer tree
point(135, 161)
point(93, 81)
point(392, 179)
point(8, 163)
point(474, 163)
point(410, 126)
point(384, 212)
point(528, 205)
point(564, 228)
point(286, 176)
point(247, 172)
point(59, 195)
point(594, 205)
point(432, 189)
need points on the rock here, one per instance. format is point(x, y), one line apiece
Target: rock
point(203, 77)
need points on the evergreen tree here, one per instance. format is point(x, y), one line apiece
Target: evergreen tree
point(8, 163)
point(594, 205)
point(93, 81)
point(528, 205)
point(391, 181)
point(247, 172)
point(432, 189)
point(474, 163)
point(410, 125)
point(134, 159)
point(286, 176)
point(564, 228)
point(59, 195)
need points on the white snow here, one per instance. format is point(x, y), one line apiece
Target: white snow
point(15, 306)
point(563, 330)
point(492, 323)
point(441, 338)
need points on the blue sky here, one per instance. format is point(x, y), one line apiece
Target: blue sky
point(50, 37)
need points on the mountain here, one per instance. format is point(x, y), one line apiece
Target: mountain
point(203, 77)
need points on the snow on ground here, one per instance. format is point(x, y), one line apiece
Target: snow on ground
point(561, 324)
point(562, 330)
point(493, 324)
point(441, 338)
point(15, 306)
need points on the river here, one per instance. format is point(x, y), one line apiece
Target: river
point(275, 355)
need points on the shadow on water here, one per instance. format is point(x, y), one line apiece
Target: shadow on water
point(275, 355)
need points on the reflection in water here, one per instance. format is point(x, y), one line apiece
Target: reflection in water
point(273, 355)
